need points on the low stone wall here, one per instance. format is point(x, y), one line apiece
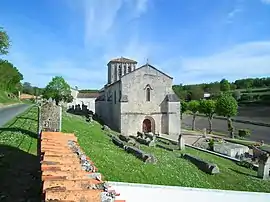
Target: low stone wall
point(205, 166)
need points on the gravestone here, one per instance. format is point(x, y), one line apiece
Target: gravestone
point(181, 142)
point(264, 166)
point(50, 117)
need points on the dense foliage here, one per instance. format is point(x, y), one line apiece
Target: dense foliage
point(32, 90)
point(4, 42)
point(227, 106)
point(58, 89)
point(10, 77)
point(255, 90)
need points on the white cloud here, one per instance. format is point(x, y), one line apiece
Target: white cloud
point(243, 60)
point(266, 1)
point(100, 16)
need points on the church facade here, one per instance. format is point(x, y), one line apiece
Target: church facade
point(138, 99)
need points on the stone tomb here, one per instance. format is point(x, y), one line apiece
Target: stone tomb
point(230, 149)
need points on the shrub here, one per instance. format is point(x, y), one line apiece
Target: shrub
point(211, 144)
point(243, 132)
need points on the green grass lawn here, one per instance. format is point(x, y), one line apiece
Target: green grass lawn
point(4, 99)
point(116, 165)
point(19, 164)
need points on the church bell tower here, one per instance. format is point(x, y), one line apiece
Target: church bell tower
point(119, 67)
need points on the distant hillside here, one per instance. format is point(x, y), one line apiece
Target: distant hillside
point(250, 90)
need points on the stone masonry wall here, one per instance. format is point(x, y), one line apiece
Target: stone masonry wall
point(137, 108)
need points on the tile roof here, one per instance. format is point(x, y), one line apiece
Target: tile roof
point(148, 65)
point(172, 98)
point(122, 59)
point(88, 95)
point(63, 176)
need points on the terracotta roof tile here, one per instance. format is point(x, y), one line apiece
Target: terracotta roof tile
point(124, 60)
point(88, 95)
point(62, 174)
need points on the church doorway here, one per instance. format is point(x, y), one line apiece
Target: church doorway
point(147, 126)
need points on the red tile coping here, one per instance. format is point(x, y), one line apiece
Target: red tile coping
point(62, 174)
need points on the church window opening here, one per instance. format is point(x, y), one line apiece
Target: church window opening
point(114, 97)
point(148, 94)
point(129, 69)
point(125, 69)
point(120, 95)
point(119, 71)
point(115, 73)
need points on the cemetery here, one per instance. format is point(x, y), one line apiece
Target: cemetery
point(144, 158)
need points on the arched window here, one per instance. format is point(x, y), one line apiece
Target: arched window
point(148, 94)
point(129, 69)
point(120, 71)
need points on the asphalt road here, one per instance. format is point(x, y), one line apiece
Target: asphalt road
point(258, 133)
point(8, 113)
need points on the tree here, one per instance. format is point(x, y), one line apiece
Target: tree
point(57, 89)
point(4, 42)
point(196, 92)
point(225, 85)
point(27, 88)
point(227, 106)
point(208, 107)
point(10, 77)
point(193, 106)
point(184, 108)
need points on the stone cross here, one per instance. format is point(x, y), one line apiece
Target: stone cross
point(181, 142)
point(264, 166)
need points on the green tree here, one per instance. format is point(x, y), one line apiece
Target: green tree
point(225, 85)
point(4, 42)
point(10, 77)
point(196, 92)
point(27, 88)
point(57, 89)
point(194, 107)
point(208, 107)
point(227, 106)
point(184, 108)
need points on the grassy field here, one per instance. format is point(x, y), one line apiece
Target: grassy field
point(5, 99)
point(19, 164)
point(116, 165)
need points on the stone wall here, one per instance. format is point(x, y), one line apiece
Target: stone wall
point(109, 108)
point(136, 108)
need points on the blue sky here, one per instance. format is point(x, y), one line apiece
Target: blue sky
point(192, 40)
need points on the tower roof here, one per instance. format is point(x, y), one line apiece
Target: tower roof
point(123, 60)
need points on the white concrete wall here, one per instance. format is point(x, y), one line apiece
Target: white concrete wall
point(132, 192)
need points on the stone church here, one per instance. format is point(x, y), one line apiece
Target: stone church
point(138, 99)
